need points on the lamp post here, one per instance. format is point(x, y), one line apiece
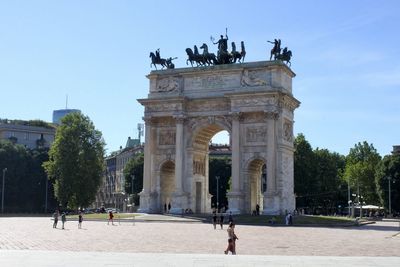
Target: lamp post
point(348, 195)
point(133, 197)
point(390, 197)
point(45, 203)
point(2, 190)
point(217, 178)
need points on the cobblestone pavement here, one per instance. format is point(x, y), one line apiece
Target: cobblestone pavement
point(380, 239)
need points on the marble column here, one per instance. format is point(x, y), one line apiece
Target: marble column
point(271, 201)
point(235, 197)
point(145, 193)
point(178, 198)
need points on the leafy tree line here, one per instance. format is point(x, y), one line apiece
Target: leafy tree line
point(323, 179)
point(25, 179)
point(72, 168)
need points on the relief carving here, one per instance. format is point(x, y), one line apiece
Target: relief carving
point(168, 84)
point(254, 102)
point(251, 79)
point(162, 107)
point(256, 134)
point(288, 131)
point(167, 137)
point(208, 106)
point(255, 117)
point(199, 167)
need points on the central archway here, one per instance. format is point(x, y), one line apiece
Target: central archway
point(198, 151)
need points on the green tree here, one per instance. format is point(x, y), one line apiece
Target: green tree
point(389, 167)
point(332, 190)
point(25, 180)
point(75, 163)
point(134, 172)
point(305, 182)
point(361, 165)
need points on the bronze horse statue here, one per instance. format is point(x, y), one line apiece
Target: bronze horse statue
point(236, 55)
point(285, 56)
point(210, 58)
point(157, 61)
point(198, 59)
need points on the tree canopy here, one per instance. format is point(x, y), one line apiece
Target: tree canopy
point(25, 179)
point(75, 163)
point(133, 172)
point(361, 165)
point(388, 171)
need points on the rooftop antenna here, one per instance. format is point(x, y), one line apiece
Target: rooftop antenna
point(66, 101)
point(140, 127)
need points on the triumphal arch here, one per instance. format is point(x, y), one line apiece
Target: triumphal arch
point(186, 107)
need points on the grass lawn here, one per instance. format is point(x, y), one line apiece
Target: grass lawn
point(297, 220)
point(104, 216)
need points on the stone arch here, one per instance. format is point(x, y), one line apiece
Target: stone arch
point(254, 183)
point(167, 182)
point(181, 122)
point(199, 140)
point(204, 130)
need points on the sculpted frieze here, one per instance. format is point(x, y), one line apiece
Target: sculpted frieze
point(163, 107)
point(207, 106)
point(255, 117)
point(252, 78)
point(246, 102)
point(256, 134)
point(167, 137)
point(194, 121)
point(288, 131)
point(168, 84)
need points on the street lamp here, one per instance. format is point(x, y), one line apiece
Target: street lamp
point(2, 190)
point(217, 177)
point(390, 197)
point(348, 195)
point(45, 204)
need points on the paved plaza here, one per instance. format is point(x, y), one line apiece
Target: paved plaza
point(171, 242)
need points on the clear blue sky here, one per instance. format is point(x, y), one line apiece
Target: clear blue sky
point(346, 55)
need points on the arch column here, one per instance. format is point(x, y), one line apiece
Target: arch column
point(147, 168)
point(271, 198)
point(178, 201)
point(235, 196)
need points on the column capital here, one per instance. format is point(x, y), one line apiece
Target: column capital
point(273, 115)
point(148, 120)
point(236, 115)
point(180, 118)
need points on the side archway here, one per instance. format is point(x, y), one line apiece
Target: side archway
point(255, 183)
point(167, 183)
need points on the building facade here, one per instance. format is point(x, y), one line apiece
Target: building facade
point(112, 190)
point(27, 135)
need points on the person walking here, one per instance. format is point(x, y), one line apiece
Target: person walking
point(221, 220)
point(231, 239)
point(214, 218)
point(110, 218)
point(63, 219)
point(169, 207)
point(55, 218)
point(80, 219)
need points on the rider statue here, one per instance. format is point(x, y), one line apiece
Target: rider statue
point(276, 50)
point(158, 57)
point(222, 45)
